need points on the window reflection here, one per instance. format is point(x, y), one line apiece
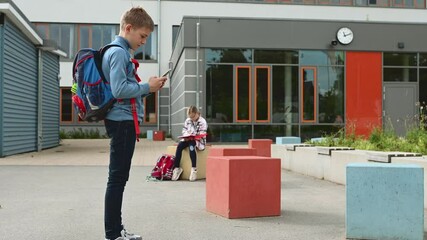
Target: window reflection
point(229, 133)
point(228, 55)
point(276, 56)
point(243, 96)
point(72, 37)
point(331, 94)
point(320, 58)
point(84, 37)
point(262, 96)
point(400, 74)
point(219, 93)
point(423, 87)
point(423, 59)
point(272, 131)
point(400, 59)
point(310, 82)
point(150, 108)
point(308, 85)
point(66, 105)
point(285, 94)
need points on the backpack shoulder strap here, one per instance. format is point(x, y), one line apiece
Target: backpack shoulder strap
point(106, 47)
point(98, 55)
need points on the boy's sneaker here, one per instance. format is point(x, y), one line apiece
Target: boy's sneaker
point(119, 238)
point(176, 173)
point(193, 174)
point(129, 236)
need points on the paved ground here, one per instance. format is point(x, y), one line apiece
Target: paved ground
point(58, 194)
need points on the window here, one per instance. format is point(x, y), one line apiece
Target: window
point(243, 94)
point(262, 96)
point(148, 51)
point(330, 85)
point(423, 59)
point(400, 59)
point(71, 37)
point(63, 35)
point(423, 87)
point(361, 2)
point(219, 93)
point(400, 67)
point(42, 29)
point(285, 94)
point(103, 35)
point(228, 55)
point(320, 58)
point(175, 31)
point(335, 2)
point(85, 36)
point(66, 105)
point(96, 36)
point(276, 56)
point(150, 115)
point(308, 94)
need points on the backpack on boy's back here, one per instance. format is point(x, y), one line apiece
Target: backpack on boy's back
point(164, 167)
point(92, 97)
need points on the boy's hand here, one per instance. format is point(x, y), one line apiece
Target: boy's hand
point(156, 83)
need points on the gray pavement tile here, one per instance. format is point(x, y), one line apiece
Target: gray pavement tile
point(66, 202)
point(58, 194)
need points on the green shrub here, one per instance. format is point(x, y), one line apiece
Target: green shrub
point(63, 134)
point(380, 140)
point(81, 134)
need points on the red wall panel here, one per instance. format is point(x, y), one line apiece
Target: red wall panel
point(363, 91)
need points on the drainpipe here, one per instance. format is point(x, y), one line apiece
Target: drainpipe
point(197, 62)
point(39, 101)
point(170, 103)
point(158, 58)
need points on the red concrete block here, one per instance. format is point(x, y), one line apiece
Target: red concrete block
point(262, 146)
point(243, 186)
point(232, 152)
point(158, 136)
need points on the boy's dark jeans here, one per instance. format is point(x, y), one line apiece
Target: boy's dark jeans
point(122, 146)
point(178, 154)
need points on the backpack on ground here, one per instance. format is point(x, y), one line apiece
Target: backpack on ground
point(92, 92)
point(164, 167)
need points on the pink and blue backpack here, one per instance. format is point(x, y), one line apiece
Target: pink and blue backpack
point(92, 92)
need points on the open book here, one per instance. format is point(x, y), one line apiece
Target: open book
point(193, 136)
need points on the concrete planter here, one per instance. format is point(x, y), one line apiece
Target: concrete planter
point(330, 163)
point(339, 161)
point(279, 151)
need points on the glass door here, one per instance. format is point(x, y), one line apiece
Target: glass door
point(252, 94)
point(243, 94)
point(262, 94)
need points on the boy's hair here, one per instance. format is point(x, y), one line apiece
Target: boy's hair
point(138, 18)
point(192, 109)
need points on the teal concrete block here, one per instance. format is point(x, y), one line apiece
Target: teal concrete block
point(288, 140)
point(149, 134)
point(384, 201)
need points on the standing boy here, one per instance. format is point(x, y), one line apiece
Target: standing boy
point(135, 27)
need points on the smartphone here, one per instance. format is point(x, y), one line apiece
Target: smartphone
point(166, 73)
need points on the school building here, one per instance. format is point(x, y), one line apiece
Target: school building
point(260, 69)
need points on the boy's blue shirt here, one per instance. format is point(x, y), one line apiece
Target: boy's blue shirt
point(119, 71)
